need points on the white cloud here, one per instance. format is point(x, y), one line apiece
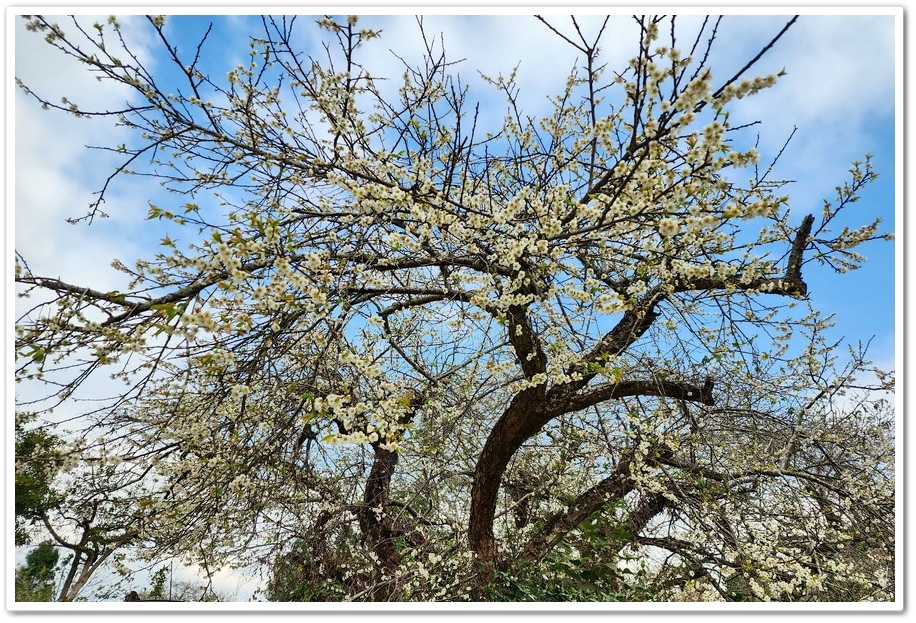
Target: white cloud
point(839, 69)
point(55, 176)
point(839, 86)
point(494, 45)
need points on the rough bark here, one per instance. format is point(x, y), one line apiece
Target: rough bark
point(525, 417)
point(374, 520)
point(521, 420)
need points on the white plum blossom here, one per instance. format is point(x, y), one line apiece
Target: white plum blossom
point(668, 227)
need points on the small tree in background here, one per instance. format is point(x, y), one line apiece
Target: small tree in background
point(36, 579)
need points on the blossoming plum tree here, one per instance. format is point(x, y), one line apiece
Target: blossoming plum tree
point(427, 353)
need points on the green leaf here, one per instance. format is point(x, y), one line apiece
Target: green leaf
point(117, 297)
point(37, 353)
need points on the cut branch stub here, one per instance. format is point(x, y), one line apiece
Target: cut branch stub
point(793, 270)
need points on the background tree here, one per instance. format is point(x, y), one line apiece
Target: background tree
point(95, 512)
point(35, 580)
point(164, 587)
point(66, 494)
point(438, 355)
point(37, 460)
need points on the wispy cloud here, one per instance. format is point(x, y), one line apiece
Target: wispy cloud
point(56, 177)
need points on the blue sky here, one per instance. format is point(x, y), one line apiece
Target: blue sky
point(839, 91)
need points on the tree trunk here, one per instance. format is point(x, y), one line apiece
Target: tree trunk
point(374, 520)
point(523, 418)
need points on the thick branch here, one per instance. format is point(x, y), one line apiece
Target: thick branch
point(607, 391)
point(526, 415)
point(375, 522)
point(793, 270)
point(684, 548)
point(420, 301)
point(526, 342)
point(630, 328)
point(791, 284)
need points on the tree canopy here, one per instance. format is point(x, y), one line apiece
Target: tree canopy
point(395, 346)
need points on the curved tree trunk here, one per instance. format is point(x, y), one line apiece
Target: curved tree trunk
point(522, 419)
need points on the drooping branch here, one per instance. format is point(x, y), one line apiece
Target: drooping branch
point(615, 486)
point(133, 306)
